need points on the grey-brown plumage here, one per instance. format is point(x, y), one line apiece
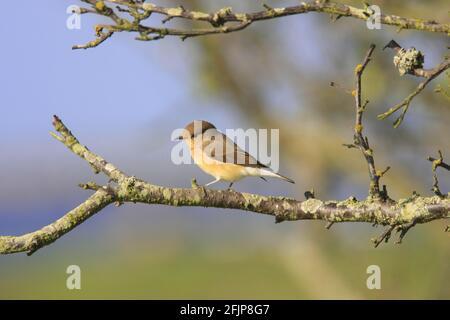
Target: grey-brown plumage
point(220, 157)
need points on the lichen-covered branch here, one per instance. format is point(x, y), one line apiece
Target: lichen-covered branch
point(128, 189)
point(101, 37)
point(33, 241)
point(226, 20)
point(436, 163)
point(361, 141)
point(410, 62)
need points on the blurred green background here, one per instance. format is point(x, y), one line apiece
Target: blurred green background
point(124, 98)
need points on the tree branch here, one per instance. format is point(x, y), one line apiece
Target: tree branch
point(436, 163)
point(129, 189)
point(140, 11)
point(360, 141)
point(33, 241)
point(439, 162)
point(101, 37)
point(414, 69)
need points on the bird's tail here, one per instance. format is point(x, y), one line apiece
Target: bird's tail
point(268, 173)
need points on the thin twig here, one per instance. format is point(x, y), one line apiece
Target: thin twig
point(385, 236)
point(436, 163)
point(439, 162)
point(403, 229)
point(360, 141)
point(103, 36)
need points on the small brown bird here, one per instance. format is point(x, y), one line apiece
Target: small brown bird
point(220, 157)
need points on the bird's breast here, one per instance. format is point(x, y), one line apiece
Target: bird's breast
point(218, 169)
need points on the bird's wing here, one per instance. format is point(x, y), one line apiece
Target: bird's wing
point(222, 148)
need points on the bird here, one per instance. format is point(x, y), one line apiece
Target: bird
point(218, 155)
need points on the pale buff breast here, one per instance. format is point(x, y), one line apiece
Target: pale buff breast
point(220, 170)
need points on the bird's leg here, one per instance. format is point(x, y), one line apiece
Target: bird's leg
point(212, 182)
point(229, 187)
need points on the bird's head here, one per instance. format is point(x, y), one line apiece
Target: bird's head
point(195, 128)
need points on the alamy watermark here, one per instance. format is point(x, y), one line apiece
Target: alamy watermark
point(374, 280)
point(374, 20)
point(73, 281)
point(73, 21)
